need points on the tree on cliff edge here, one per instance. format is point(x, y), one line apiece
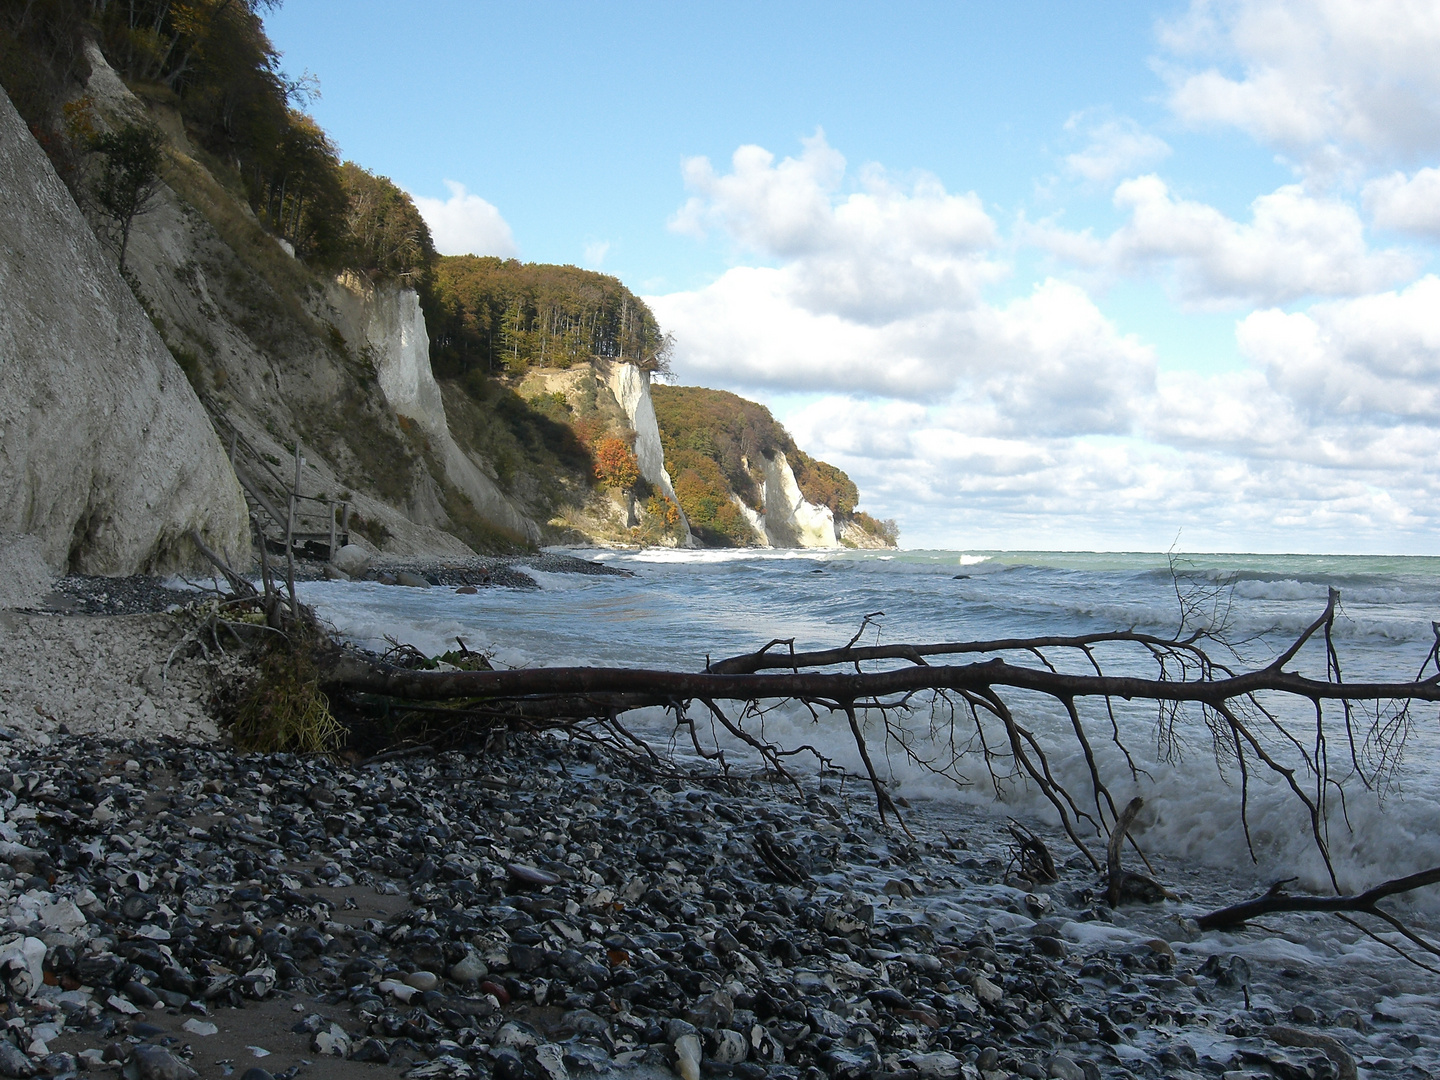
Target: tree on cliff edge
point(130, 177)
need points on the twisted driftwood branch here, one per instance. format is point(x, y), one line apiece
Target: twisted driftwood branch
point(1229, 702)
point(1278, 900)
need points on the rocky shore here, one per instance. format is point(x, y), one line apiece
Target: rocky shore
point(170, 907)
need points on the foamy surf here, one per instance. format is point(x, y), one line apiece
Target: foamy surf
point(682, 608)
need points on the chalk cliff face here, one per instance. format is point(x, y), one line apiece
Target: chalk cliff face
point(284, 359)
point(387, 323)
point(631, 388)
point(277, 352)
point(106, 455)
point(789, 521)
point(390, 328)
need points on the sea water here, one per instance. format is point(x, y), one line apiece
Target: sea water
point(682, 609)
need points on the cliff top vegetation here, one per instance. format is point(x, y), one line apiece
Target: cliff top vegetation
point(505, 316)
point(211, 62)
point(735, 434)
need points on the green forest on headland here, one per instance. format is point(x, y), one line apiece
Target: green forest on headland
point(504, 315)
point(714, 443)
point(209, 65)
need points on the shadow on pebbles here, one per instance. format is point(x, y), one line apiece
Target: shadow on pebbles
point(174, 911)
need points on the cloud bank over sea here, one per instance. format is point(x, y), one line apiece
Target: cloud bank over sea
point(966, 365)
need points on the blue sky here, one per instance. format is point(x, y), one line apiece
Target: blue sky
point(1037, 275)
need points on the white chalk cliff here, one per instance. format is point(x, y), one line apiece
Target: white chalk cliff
point(631, 387)
point(788, 520)
point(389, 326)
point(106, 455)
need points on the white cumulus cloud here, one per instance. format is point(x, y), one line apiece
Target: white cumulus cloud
point(1295, 245)
point(1410, 204)
point(465, 224)
point(1374, 357)
point(1036, 422)
point(1356, 77)
point(886, 250)
point(877, 291)
point(1116, 147)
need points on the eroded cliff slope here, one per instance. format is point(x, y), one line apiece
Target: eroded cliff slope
point(451, 404)
point(106, 455)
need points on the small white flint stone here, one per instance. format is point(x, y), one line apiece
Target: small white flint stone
point(258, 983)
point(22, 961)
point(121, 1005)
point(62, 915)
point(46, 1033)
point(333, 1042)
point(687, 1057)
point(512, 1037)
point(199, 1027)
point(551, 1058)
point(398, 990)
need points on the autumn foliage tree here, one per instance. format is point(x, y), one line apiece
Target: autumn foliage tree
point(615, 464)
point(716, 444)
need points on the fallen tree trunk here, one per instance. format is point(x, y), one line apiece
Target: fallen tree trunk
point(1231, 705)
point(1229, 700)
point(648, 687)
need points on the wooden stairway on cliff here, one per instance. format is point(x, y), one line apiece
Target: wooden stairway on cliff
point(287, 521)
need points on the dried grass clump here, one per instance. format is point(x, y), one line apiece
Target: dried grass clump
point(283, 710)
